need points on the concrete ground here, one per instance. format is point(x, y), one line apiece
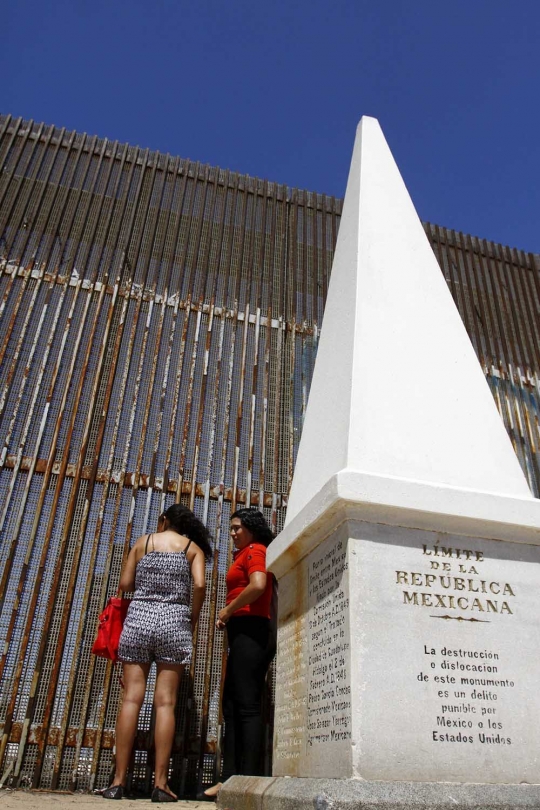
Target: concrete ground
point(35, 800)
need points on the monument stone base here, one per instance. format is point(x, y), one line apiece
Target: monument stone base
point(406, 654)
point(404, 670)
point(290, 793)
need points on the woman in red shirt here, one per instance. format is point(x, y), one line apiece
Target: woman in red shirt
point(251, 642)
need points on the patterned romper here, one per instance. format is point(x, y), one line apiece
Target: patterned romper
point(158, 622)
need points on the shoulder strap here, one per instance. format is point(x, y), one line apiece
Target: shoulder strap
point(146, 544)
point(186, 548)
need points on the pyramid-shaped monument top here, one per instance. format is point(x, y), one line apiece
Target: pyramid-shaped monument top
point(397, 390)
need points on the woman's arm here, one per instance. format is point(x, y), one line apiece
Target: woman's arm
point(252, 591)
point(127, 577)
point(199, 586)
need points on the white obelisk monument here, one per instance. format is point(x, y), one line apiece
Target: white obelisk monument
point(408, 665)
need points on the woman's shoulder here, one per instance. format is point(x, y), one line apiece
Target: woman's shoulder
point(253, 551)
point(192, 547)
point(253, 546)
point(138, 548)
point(140, 542)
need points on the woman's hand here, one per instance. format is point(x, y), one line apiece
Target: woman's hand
point(222, 619)
point(252, 591)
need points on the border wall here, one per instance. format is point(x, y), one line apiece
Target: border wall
point(159, 322)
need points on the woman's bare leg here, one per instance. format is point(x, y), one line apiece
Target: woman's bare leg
point(167, 683)
point(135, 676)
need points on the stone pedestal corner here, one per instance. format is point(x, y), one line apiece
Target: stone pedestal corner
point(405, 654)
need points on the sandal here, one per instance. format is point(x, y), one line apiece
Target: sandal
point(113, 792)
point(160, 795)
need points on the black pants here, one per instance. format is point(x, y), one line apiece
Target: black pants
point(251, 648)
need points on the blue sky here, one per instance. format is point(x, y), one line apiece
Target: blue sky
point(275, 89)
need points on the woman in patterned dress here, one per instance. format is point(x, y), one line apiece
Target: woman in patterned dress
point(160, 570)
point(252, 645)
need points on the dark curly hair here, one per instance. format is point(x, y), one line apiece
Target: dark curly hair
point(255, 522)
point(184, 522)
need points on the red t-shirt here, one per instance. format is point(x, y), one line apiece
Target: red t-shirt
point(246, 561)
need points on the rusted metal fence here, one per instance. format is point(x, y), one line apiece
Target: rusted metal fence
point(159, 324)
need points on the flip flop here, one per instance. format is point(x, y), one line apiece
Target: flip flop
point(113, 792)
point(159, 795)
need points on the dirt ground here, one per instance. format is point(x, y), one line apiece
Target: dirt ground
point(30, 800)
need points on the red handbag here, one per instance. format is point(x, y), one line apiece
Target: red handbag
point(110, 626)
